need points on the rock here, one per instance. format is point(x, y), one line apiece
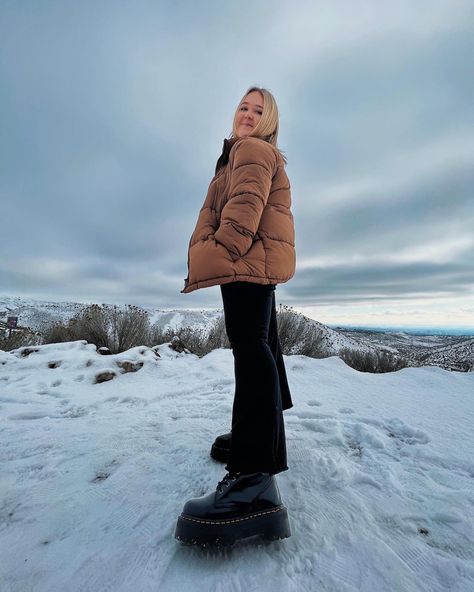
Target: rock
point(104, 376)
point(104, 351)
point(177, 345)
point(27, 351)
point(128, 366)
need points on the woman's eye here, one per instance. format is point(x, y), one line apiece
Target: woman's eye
point(258, 112)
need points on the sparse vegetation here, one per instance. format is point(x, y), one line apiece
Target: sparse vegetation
point(21, 337)
point(298, 335)
point(377, 362)
point(466, 366)
point(119, 328)
point(196, 341)
point(113, 327)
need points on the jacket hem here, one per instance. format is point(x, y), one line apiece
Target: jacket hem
point(238, 277)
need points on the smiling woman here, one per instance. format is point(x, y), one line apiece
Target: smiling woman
point(257, 115)
point(244, 241)
point(248, 114)
point(245, 228)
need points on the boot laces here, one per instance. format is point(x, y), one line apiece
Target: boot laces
point(226, 480)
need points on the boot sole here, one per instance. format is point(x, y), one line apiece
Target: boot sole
point(270, 525)
point(220, 454)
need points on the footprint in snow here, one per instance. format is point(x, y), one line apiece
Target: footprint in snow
point(105, 471)
point(74, 411)
point(396, 428)
point(50, 394)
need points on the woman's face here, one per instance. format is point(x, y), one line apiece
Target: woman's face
point(249, 113)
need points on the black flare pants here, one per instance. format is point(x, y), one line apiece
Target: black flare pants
point(261, 387)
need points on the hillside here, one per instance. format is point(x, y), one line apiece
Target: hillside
point(451, 352)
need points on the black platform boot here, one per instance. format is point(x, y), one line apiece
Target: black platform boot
point(243, 505)
point(221, 447)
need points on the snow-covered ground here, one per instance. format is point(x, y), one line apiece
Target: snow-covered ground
point(380, 489)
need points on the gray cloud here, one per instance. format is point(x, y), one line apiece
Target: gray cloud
point(113, 121)
point(386, 221)
point(379, 281)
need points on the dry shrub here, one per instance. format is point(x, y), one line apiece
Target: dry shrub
point(158, 335)
point(21, 337)
point(130, 327)
point(114, 327)
point(193, 340)
point(298, 335)
point(119, 329)
point(58, 333)
point(197, 341)
point(377, 362)
point(217, 336)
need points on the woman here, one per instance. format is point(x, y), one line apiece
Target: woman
point(244, 241)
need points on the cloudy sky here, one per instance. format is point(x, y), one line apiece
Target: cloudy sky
point(112, 116)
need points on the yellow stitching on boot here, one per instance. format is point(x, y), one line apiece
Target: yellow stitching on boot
point(203, 521)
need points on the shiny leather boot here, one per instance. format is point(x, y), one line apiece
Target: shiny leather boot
point(221, 447)
point(243, 505)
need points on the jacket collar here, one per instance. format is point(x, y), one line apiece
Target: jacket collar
point(224, 157)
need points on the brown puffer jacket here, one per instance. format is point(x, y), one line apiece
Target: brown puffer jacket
point(245, 228)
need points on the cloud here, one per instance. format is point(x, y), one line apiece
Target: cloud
point(383, 280)
point(113, 118)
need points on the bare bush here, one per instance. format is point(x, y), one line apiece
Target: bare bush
point(377, 362)
point(290, 328)
point(129, 327)
point(217, 336)
point(158, 335)
point(194, 340)
point(113, 327)
point(58, 333)
point(313, 344)
point(298, 335)
point(466, 366)
point(93, 325)
point(119, 329)
point(19, 338)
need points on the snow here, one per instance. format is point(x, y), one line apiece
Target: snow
point(94, 476)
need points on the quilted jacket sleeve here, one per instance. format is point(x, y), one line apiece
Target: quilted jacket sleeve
point(253, 165)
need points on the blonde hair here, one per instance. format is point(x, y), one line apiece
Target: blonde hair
point(268, 125)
